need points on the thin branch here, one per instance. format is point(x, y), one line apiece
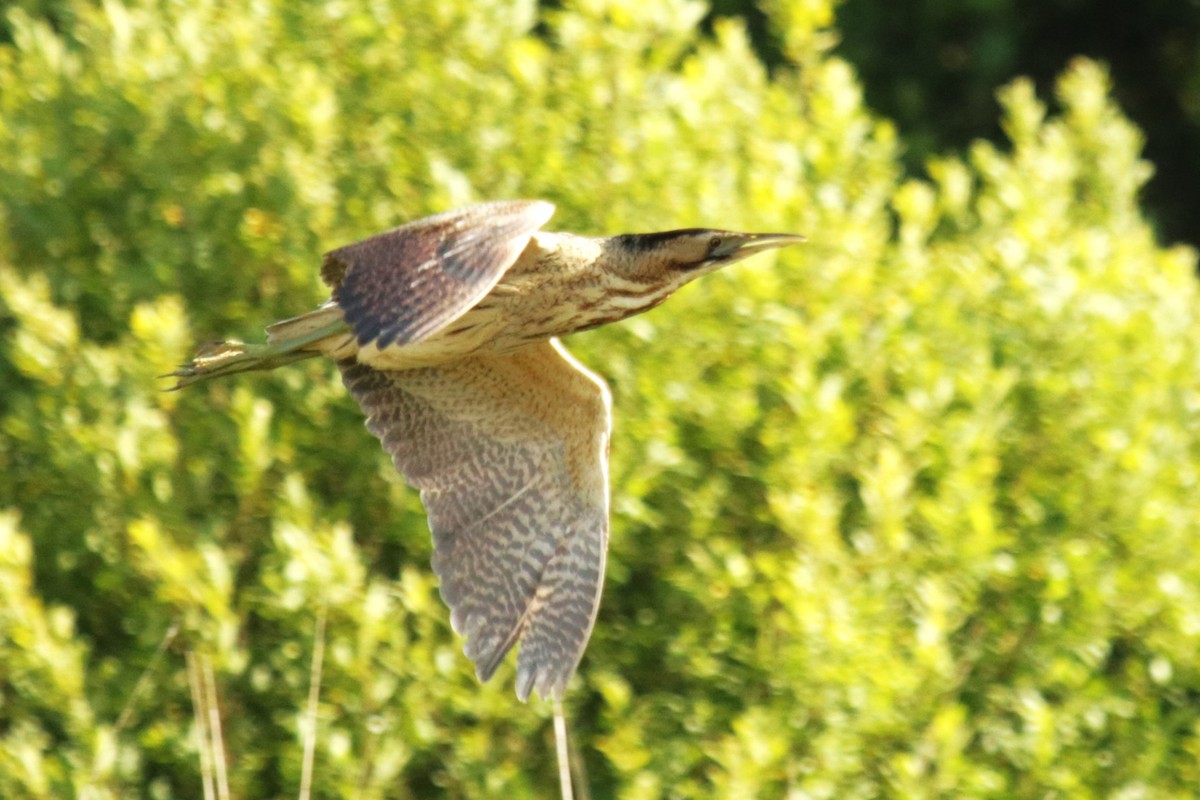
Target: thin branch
point(561, 750)
point(139, 689)
point(198, 711)
point(144, 679)
point(214, 729)
point(314, 695)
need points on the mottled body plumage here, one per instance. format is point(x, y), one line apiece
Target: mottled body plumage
point(444, 331)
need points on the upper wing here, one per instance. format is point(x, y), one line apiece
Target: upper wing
point(403, 285)
point(511, 456)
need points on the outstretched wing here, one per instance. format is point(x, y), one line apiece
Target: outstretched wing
point(402, 285)
point(511, 456)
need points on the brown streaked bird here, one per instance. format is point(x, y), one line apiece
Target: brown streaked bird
point(445, 330)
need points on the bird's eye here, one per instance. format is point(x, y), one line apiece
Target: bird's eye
point(714, 243)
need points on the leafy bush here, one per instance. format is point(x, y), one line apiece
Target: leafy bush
point(907, 512)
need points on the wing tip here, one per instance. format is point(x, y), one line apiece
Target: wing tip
point(548, 682)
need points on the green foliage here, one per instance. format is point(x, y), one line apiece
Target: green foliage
point(907, 512)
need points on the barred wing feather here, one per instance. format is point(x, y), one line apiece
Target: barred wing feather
point(510, 455)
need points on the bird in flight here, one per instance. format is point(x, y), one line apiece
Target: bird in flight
point(445, 332)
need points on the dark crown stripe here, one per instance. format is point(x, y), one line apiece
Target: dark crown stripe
point(641, 242)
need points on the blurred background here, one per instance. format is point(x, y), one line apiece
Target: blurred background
point(933, 67)
point(909, 511)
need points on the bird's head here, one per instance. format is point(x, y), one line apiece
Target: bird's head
point(685, 255)
point(643, 269)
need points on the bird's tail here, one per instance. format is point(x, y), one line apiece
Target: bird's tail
point(287, 342)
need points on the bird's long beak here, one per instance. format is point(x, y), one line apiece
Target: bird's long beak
point(742, 245)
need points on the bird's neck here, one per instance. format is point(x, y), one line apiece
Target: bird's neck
point(565, 283)
point(620, 282)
